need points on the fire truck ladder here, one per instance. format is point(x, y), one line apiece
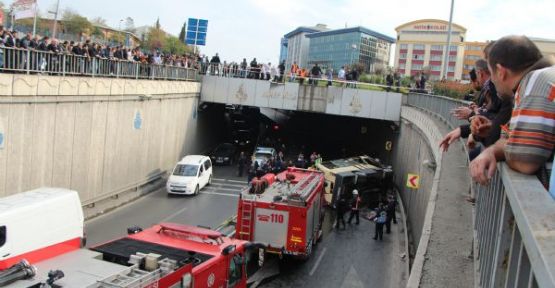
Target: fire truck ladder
point(246, 220)
point(133, 277)
point(304, 188)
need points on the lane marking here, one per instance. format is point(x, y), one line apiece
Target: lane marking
point(229, 180)
point(174, 214)
point(318, 261)
point(224, 189)
point(228, 185)
point(221, 194)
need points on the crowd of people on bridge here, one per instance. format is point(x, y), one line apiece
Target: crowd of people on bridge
point(347, 76)
point(18, 42)
point(513, 117)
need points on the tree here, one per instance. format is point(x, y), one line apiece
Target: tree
point(155, 38)
point(99, 21)
point(183, 32)
point(75, 23)
point(129, 25)
point(379, 69)
point(157, 25)
point(96, 31)
point(174, 45)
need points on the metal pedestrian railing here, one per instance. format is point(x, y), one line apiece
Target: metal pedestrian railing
point(16, 60)
point(514, 219)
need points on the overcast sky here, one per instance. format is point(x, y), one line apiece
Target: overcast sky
point(240, 29)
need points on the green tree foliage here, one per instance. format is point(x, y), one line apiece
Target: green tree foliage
point(173, 45)
point(155, 38)
point(99, 21)
point(75, 23)
point(182, 32)
point(96, 31)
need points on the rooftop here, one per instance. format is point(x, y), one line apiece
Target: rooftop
point(350, 30)
point(306, 29)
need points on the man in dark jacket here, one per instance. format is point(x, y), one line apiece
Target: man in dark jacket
point(215, 64)
point(340, 209)
point(281, 68)
point(390, 214)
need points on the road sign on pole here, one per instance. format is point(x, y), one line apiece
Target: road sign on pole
point(388, 145)
point(413, 181)
point(196, 32)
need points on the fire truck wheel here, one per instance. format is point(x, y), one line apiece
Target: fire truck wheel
point(196, 190)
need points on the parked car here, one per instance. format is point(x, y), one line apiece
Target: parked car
point(190, 175)
point(263, 154)
point(223, 154)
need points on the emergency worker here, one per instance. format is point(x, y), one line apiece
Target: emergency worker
point(355, 203)
point(341, 207)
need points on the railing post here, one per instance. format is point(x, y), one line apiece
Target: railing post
point(64, 64)
point(118, 67)
point(28, 61)
point(136, 70)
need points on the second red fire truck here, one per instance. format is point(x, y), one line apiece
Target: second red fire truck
point(283, 212)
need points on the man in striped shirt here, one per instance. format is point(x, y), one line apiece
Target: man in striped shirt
point(519, 70)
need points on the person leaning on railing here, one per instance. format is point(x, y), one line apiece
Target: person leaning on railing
point(520, 71)
point(488, 104)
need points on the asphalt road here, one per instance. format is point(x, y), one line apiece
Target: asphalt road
point(349, 258)
point(210, 208)
point(345, 258)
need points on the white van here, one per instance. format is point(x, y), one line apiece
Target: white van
point(190, 175)
point(39, 224)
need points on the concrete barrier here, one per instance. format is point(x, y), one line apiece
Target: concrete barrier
point(98, 136)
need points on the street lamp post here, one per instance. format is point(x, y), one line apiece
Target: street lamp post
point(55, 18)
point(119, 29)
point(448, 49)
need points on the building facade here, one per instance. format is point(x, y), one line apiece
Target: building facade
point(472, 52)
point(422, 46)
point(356, 45)
point(475, 50)
point(298, 44)
point(546, 46)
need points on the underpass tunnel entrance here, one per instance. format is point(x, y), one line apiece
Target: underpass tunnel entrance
point(297, 132)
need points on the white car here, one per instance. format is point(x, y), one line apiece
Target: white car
point(263, 154)
point(190, 175)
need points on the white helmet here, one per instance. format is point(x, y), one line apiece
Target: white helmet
point(355, 192)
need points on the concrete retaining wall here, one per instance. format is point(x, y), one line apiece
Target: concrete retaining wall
point(413, 154)
point(100, 137)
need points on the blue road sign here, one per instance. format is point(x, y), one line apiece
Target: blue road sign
point(196, 31)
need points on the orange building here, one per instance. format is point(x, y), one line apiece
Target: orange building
point(472, 52)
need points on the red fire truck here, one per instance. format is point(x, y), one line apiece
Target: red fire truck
point(283, 212)
point(165, 255)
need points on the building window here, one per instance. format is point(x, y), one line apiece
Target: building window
point(403, 56)
point(417, 57)
point(402, 66)
point(451, 69)
point(418, 47)
point(452, 58)
point(435, 57)
point(453, 48)
point(404, 46)
point(435, 68)
point(437, 47)
point(417, 67)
